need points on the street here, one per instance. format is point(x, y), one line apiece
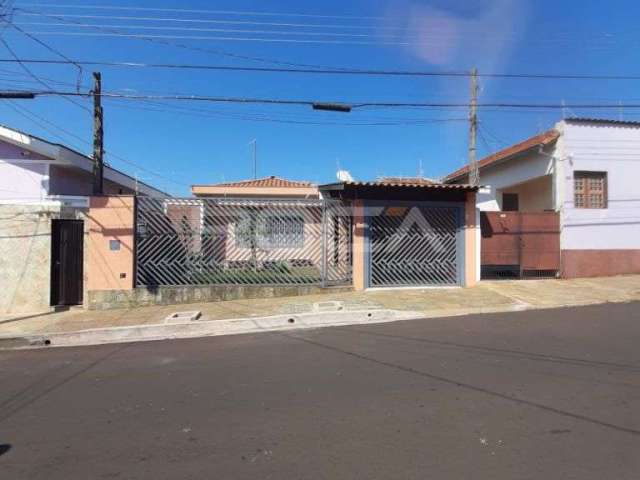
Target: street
point(530, 395)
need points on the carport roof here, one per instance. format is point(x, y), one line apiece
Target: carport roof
point(391, 190)
point(399, 184)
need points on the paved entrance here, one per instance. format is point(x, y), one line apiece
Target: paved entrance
point(415, 246)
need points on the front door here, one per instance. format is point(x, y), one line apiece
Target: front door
point(66, 262)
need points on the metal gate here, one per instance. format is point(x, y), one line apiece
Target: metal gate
point(415, 246)
point(242, 242)
point(520, 245)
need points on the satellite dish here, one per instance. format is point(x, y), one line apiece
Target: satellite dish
point(344, 176)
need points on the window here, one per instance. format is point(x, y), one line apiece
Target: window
point(510, 202)
point(268, 232)
point(590, 189)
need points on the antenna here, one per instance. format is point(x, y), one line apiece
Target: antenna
point(254, 142)
point(420, 170)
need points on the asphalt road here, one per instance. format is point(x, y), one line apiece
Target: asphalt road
point(535, 395)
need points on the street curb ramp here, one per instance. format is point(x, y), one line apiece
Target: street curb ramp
point(207, 328)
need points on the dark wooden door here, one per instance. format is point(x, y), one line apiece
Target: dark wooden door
point(66, 262)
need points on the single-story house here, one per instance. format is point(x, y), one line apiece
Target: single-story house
point(570, 193)
point(393, 232)
point(52, 248)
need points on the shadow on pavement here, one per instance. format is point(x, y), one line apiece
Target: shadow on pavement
point(468, 386)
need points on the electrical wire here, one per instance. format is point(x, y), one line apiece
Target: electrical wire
point(39, 120)
point(53, 50)
point(33, 75)
point(326, 71)
point(228, 22)
point(199, 11)
point(220, 30)
point(183, 46)
point(352, 104)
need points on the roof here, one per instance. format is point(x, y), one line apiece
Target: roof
point(603, 121)
point(73, 158)
point(542, 139)
point(261, 187)
point(408, 180)
point(383, 184)
point(265, 182)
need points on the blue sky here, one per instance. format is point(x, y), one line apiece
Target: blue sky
point(185, 143)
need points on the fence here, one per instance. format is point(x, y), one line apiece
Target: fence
point(242, 242)
point(520, 245)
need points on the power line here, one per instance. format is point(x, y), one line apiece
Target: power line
point(325, 71)
point(229, 22)
point(40, 121)
point(53, 50)
point(187, 47)
point(362, 104)
point(226, 38)
point(33, 75)
point(221, 30)
point(266, 118)
point(214, 12)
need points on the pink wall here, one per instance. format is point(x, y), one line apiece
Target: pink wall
point(110, 218)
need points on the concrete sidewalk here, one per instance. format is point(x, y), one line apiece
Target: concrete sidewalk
point(424, 303)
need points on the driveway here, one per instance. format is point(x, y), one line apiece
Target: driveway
point(536, 394)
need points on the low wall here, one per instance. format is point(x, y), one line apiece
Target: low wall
point(146, 296)
point(599, 263)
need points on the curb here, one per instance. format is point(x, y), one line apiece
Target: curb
point(194, 329)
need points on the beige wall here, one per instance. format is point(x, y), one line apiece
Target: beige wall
point(110, 218)
point(535, 195)
point(25, 257)
point(359, 253)
point(25, 254)
point(470, 245)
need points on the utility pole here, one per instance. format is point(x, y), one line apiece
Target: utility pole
point(254, 142)
point(98, 140)
point(474, 174)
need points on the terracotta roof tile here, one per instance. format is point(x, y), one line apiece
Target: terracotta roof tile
point(407, 180)
point(545, 138)
point(266, 182)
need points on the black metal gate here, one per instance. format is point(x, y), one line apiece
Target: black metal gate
point(242, 242)
point(66, 262)
point(415, 246)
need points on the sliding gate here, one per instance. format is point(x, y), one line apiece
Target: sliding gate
point(415, 246)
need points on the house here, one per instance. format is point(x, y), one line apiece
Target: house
point(56, 241)
point(34, 170)
point(570, 192)
point(247, 229)
point(267, 187)
point(282, 233)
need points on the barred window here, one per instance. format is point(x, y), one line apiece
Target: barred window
point(271, 231)
point(590, 189)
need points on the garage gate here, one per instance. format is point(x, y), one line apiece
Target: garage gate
point(415, 245)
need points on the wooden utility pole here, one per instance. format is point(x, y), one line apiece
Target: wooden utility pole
point(474, 174)
point(98, 143)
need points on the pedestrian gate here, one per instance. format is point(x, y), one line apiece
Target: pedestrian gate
point(415, 246)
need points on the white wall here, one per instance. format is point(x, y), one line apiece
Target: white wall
point(25, 181)
point(611, 148)
point(517, 170)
